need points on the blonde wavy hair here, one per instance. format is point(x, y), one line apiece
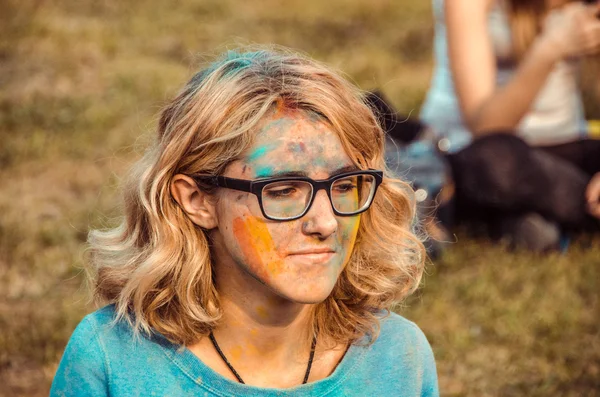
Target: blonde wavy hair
point(156, 267)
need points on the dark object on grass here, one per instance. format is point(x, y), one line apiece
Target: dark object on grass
point(402, 129)
point(505, 189)
point(501, 181)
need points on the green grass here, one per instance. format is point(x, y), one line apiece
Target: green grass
point(82, 83)
point(513, 323)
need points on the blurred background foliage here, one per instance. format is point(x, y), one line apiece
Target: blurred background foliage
point(82, 84)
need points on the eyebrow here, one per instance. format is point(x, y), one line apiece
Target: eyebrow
point(281, 174)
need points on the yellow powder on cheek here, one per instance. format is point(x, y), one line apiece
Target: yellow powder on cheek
point(262, 312)
point(257, 246)
point(351, 239)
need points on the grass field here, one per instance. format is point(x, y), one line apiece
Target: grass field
point(82, 83)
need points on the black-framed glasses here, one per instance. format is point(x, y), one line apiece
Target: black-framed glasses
point(289, 198)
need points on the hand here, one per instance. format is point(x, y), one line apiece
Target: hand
point(573, 30)
point(592, 196)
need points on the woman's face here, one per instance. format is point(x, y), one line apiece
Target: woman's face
point(299, 260)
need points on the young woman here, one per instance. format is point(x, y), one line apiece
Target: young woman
point(261, 250)
point(506, 75)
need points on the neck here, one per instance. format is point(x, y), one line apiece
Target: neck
point(260, 329)
point(269, 326)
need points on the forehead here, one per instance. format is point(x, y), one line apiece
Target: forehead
point(295, 141)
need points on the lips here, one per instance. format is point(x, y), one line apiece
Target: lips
point(313, 256)
point(313, 251)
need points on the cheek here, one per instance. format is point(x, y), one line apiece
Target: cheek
point(258, 250)
point(349, 231)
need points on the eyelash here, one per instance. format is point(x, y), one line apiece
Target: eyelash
point(348, 186)
point(278, 193)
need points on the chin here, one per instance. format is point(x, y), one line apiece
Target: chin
point(306, 292)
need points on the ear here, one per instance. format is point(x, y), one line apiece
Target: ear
point(197, 204)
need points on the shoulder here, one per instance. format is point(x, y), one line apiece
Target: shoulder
point(83, 369)
point(101, 331)
point(116, 338)
point(93, 324)
point(102, 318)
point(408, 352)
point(399, 359)
point(98, 324)
point(399, 337)
point(90, 336)
point(394, 327)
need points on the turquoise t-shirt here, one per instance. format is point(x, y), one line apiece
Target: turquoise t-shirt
point(105, 360)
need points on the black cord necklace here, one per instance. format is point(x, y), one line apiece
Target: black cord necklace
point(239, 378)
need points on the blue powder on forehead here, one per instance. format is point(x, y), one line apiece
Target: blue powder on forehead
point(258, 153)
point(264, 171)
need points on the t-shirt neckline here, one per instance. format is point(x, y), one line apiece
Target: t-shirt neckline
point(210, 380)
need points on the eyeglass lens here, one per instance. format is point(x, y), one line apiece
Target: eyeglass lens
point(288, 199)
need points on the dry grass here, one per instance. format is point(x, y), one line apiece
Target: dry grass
point(514, 324)
point(82, 84)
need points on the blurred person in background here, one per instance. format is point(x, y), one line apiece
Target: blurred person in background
point(506, 104)
point(261, 250)
point(411, 153)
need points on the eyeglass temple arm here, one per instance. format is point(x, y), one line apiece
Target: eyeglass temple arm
point(223, 181)
point(233, 183)
point(229, 183)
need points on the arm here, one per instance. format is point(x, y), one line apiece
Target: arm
point(592, 196)
point(591, 68)
point(426, 367)
point(430, 380)
point(82, 370)
point(486, 108)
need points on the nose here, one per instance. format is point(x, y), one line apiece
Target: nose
point(320, 220)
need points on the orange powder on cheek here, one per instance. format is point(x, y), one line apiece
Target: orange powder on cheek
point(257, 246)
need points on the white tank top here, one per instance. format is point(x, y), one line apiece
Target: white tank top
point(555, 117)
